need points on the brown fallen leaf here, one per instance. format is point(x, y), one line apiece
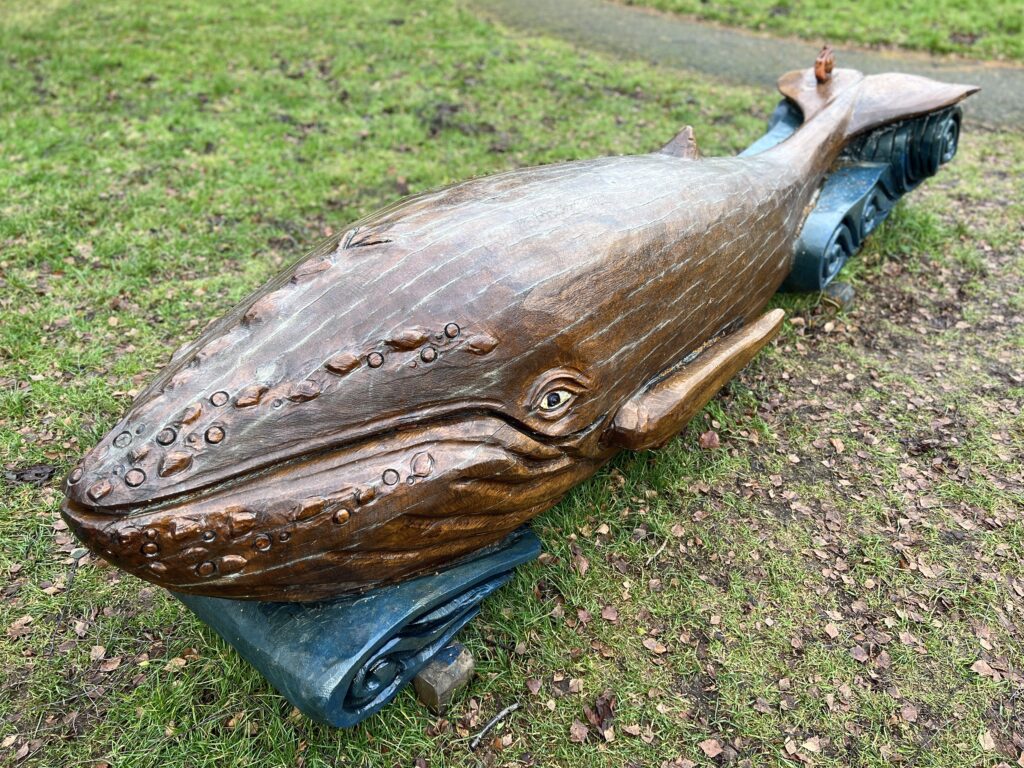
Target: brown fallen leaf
point(986, 741)
point(533, 685)
point(908, 638)
point(654, 645)
point(579, 562)
point(602, 715)
point(20, 627)
point(97, 652)
point(983, 668)
point(909, 713)
point(859, 654)
point(577, 732)
point(110, 664)
point(832, 631)
point(610, 613)
point(711, 747)
point(709, 440)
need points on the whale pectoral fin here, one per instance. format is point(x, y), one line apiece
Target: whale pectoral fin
point(653, 416)
point(683, 144)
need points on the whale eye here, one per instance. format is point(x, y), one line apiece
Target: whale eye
point(555, 399)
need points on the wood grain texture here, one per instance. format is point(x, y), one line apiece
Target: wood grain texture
point(417, 387)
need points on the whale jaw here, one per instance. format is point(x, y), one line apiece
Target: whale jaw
point(343, 521)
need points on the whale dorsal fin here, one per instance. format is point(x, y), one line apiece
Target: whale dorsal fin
point(683, 144)
point(657, 413)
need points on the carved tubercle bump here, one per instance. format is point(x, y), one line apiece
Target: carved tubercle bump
point(480, 344)
point(250, 396)
point(100, 489)
point(303, 391)
point(410, 338)
point(342, 363)
point(175, 462)
point(134, 477)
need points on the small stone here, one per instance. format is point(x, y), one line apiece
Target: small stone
point(438, 681)
point(840, 294)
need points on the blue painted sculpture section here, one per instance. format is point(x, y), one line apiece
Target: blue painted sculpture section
point(341, 661)
point(874, 172)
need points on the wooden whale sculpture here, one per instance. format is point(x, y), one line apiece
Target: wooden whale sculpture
point(419, 386)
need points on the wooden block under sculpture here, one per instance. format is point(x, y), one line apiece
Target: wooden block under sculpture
point(419, 386)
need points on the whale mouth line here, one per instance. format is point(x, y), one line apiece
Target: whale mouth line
point(217, 485)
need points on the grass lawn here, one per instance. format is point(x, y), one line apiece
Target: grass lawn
point(992, 29)
point(840, 583)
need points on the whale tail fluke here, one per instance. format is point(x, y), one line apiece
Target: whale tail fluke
point(861, 103)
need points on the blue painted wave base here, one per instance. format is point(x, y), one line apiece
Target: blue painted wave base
point(341, 661)
point(874, 172)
